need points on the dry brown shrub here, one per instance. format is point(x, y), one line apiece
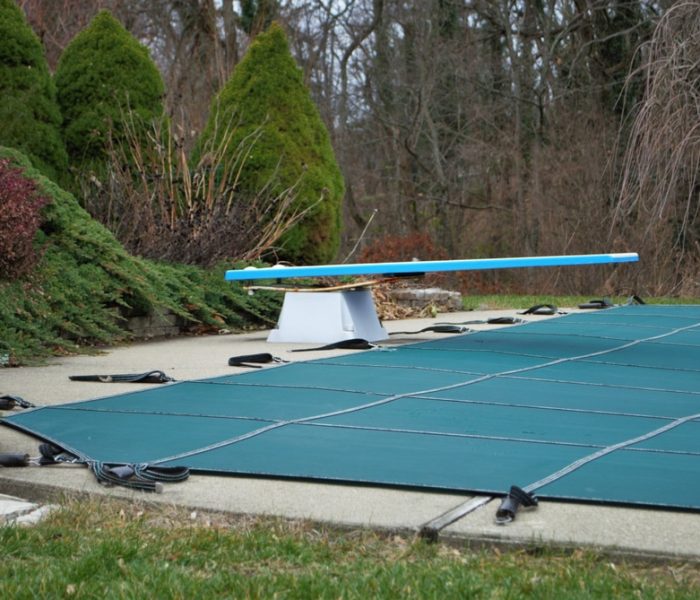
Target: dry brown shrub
point(161, 207)
point(659, 204)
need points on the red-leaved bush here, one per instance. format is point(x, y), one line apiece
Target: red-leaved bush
point(413, 246)
point(20, 218)
point(390, 248)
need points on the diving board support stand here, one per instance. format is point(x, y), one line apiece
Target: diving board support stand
point(327, 317)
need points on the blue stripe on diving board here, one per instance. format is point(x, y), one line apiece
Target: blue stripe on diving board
point(428, 266)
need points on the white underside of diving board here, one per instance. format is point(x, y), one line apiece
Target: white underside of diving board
point(327, 317)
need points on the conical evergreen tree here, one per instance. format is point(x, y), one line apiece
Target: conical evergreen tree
point(29, 116)
point(266, 94)
point(103, 75)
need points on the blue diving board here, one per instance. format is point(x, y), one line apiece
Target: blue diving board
point(388, 269)
point(331, 315)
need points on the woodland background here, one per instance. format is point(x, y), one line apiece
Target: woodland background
point(470, 128)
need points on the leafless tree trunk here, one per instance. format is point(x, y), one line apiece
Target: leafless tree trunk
point(485, 125)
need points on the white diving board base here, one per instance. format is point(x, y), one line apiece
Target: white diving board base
point(327, 317)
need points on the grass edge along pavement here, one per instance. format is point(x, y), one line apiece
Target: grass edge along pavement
point(108, 548)
point(86, 285)
point(521, 301)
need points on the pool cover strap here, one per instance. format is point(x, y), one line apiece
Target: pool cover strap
point(505, 320)
point(541, 309)
point(597, 304)
point(51, 455)
point(439, 328)
point(137, 476)
point(143, 477)
point(351, 344)
point(516, 498)
point(149, 377)
point(10, 402)
point(245, 360)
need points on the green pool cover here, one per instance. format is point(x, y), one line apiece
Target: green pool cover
point(600, 406)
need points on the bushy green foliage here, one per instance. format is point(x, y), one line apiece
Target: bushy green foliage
point(86, 281)
point(103, 75)
point(29, 116)
point(266, 97)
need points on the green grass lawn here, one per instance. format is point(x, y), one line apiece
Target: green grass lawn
point(110, 549)
point(505, 301)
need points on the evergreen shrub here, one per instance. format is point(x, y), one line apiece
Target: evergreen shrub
point(30, 119)
point(266, 99)
point(103, 75)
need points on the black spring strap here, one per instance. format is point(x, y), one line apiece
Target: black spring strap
point(597, 304)
point(606, 303)
point(439, 328)
point(352, 344)
point(504, 321)
point(516, 498)
point(136, 476)
point(10, 402)
point(149, 377)
point(142, 476)
point(492, 321)
point(541, 309)
point(245, 360)
point(51, 455)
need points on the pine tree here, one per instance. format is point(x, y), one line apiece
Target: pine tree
point(104, 76)
point(266, 98)
point(29, 116)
